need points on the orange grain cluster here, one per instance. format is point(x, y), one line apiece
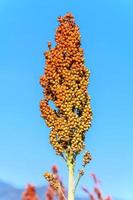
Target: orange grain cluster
point(86, 158)
point(65, 82)
point(52, 179)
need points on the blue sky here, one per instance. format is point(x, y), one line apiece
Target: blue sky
point(107, 38)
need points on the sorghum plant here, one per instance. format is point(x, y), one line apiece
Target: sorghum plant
point(30, 193)
point(65, 82)
point(52, 191)
point(96, 194)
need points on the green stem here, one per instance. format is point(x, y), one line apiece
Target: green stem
point(70, 179)
point(77, 181)
point(78, 178)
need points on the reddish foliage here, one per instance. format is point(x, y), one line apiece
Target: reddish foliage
point(85, 190)
point(54, 169)
point(96, 181)
point(92, 196)
point(97, 193)
point(108, 198)
point(51, 193)
point(30, 193)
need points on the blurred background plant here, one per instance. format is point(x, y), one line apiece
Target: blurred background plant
point(52, 194)
point(96, 193)
point(30, 193)
point(51, 191)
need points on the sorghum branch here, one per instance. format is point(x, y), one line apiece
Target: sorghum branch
point(63, 156)
point(80, 174)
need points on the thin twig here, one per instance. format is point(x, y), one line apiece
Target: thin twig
point(63, 156)
point(77, 180)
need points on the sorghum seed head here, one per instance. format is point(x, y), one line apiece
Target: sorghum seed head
point(53, 181)
point(81, 172)
point(65, 83)
point(86, 158)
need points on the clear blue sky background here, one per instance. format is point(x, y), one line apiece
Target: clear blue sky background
point(107, 38)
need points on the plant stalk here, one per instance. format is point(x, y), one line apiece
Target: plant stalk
point(71, 181)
